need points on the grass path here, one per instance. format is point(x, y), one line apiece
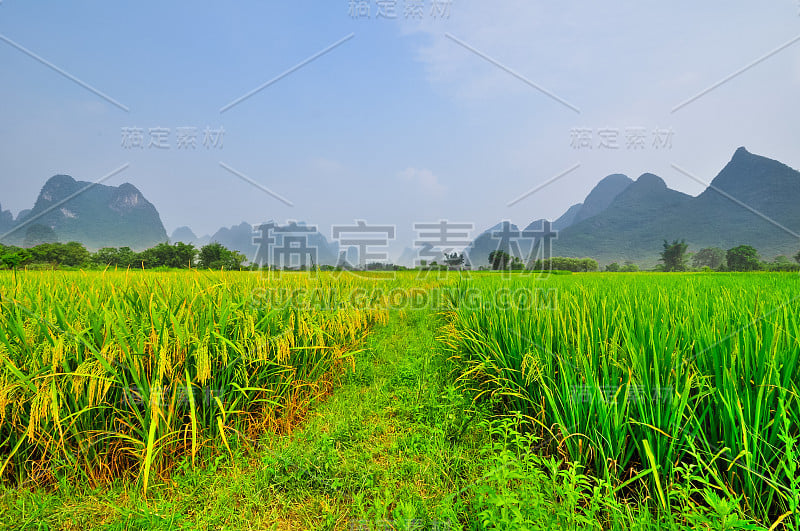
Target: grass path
point(387, 450)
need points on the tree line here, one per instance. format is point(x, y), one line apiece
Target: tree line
point(164, 255)
point(675, 257)
point(501, 260)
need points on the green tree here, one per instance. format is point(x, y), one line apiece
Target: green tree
point(629, 267)
point(216, 256)
point(179, 256)
point(185, 254)
point(587, 265)
point(113, 257)
point(561, 263)
point(674, 255)
point(499, 260)
point(72, 254)
point(712, 257)
point(13, 257)
point(797, 257)
point(613, 267)
point(743, 258)
point(781, 263)
point(782, 260)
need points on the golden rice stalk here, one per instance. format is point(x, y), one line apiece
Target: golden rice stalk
point(57, 354)
point(40, 405)
point(164, 361)
point(203, 361)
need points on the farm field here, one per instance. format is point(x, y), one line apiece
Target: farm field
point(234, 400)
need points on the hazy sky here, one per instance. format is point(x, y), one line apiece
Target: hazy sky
point(412, 118)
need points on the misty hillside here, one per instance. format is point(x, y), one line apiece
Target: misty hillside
point(96, 215)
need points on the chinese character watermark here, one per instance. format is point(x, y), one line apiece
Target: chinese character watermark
point(441, 8)
point(359, 8)
point(528, 251)
point(285, 247)
point(581, 137)
point(186, 138)
point(441, 241)
point(635, 138)
point(392, 9)
point(386, 9)
point(365, 237)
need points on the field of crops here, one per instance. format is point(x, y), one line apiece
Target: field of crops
point(660, 386)
point(119, 374)
point(667, 381)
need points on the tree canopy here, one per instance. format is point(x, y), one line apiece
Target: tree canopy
point(216, 256)
point(712, 257)
point(743, 258)
point(674, 255)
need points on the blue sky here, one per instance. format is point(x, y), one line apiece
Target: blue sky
point(400, 123)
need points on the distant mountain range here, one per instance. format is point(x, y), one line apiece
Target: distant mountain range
point(596, 202)
point(753, 200)
point(243, 237)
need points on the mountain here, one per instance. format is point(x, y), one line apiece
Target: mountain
point(238, 238)
point(6, 220)
point(96, 215)
point(567, 218)
point(601, 196)
point(186, 235)
point(408, 257)
point(632, 227)
point(492, 239)
point(752, 201)
point(243, 238)
point(495, 238)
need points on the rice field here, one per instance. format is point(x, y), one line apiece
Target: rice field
point(655, 383)
point(662, 387)
point(119, 374)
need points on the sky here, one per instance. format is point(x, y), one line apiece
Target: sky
point(389, 111)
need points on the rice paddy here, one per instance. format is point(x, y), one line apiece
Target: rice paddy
point(670, 381)
point(670, 392)
point(118, 374)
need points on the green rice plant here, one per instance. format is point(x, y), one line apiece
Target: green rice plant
point(634, 376)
